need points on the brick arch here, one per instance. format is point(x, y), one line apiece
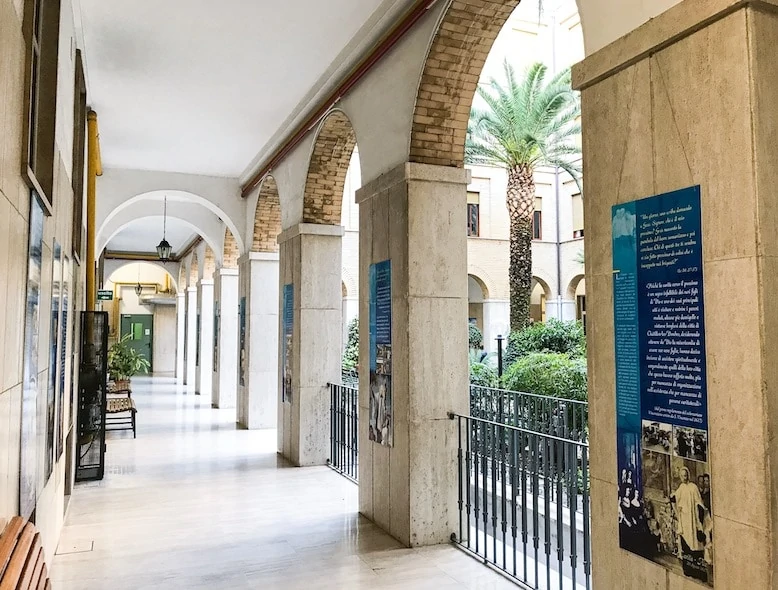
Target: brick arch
point(454, 64)
point(330, 159)
point(267, 217)
point(194, 271)
point(231, 250)
point(209, 265)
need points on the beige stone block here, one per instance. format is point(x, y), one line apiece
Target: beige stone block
point(320, 280)
point(437, 339)
point(742, 556)
point(399, 492)
point(607, 122)
point(320, 347)
point(381, 239)
point(602, 378)
point(709, 92)
point(382, 479)
point(314, 425)
point(437, 245)
point(366, 460)
point(735, 399)
point(433, 481)
point(763, 39)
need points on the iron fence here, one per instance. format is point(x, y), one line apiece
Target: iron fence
point(344, 433)
point(524, 503)
point(564, 418)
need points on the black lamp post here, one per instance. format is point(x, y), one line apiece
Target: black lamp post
point(164, 249)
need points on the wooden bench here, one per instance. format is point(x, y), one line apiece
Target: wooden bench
point(119, 401)
point(22, 565)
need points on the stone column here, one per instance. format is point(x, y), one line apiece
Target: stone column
point(205, 368)
point(225, 372)
point(311, 261)
point(191, 337)
point(414, 217)
point(258, 394)
point(180, 335)
point(690, 98)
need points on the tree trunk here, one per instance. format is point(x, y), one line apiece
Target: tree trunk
point(520, 199)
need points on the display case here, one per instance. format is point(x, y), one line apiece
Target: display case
point(92, 388)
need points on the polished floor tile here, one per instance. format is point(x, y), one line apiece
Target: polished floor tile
point(195, 503)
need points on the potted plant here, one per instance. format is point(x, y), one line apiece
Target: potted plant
point(124, 362)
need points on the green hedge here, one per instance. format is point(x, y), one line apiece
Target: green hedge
point(552, 336)
point(474, 337)
point(552, 374)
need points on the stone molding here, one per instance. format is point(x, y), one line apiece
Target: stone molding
point(680, 21)
point(412, 171)
point(258, 256)
point(310, 229)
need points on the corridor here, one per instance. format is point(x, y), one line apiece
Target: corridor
point(195, 503)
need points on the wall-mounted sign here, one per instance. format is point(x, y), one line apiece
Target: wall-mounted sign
point(105, 295)
point(286, 345)
point(661, 389)
point(381, 428)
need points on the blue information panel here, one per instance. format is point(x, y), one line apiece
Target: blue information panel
point(242, 328)
point(661, 391)
point(381, 428)
point(288, 328)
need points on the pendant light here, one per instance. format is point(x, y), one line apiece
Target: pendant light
point(164, 249)
point(138, 287)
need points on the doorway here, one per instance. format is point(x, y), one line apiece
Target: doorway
point(141, 327)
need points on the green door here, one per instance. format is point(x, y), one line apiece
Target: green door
point(142, 329)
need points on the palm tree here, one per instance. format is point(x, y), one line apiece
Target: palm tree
point(525, 123)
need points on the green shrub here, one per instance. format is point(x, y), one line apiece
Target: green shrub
point(351, 352)
point(474, 337)
point(552, 336)
point(483, 375)
point(551, 374)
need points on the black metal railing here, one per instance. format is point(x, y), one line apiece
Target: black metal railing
point(524, 503)
point(564, 418)
point(344, 433)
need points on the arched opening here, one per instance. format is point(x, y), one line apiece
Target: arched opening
point(541, 294)
point(267, 217)
point(328, 169)
point(477, 293)
point(144, 310)
point(576, 291)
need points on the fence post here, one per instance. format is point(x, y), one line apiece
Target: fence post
point(499, 355)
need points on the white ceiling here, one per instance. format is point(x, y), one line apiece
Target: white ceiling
point(199, 86)
point(143, 235)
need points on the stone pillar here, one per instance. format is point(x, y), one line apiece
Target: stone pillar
point(205, 368)
point(311, 261)
point(690, 98)
point(180, 335)
point(225, 371)
point(258, 394)
point(414, 217)
point(191, 337)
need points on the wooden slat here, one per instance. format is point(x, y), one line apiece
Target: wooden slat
point(8, 541)
point(32, 559)
point(18, 559)
point(36, 574)
point(44, 583)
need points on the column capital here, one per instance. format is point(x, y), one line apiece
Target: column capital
point(206, 283)
point(228, 272)
point(191, 290)
point(259, 256)
point(412, 171)
point(678, 22)
point(310, 229)
point(181, 295)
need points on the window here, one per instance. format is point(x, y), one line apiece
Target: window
point(473, 214)
point(578, 228)
point(537, 220)
point(41, 29)
point(79, 145)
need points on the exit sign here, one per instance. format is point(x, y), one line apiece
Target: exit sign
point(105, 295)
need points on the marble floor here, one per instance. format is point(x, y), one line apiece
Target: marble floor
point(195, 503)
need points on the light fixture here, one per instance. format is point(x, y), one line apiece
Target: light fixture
point(138, 287)
point(164, 249)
